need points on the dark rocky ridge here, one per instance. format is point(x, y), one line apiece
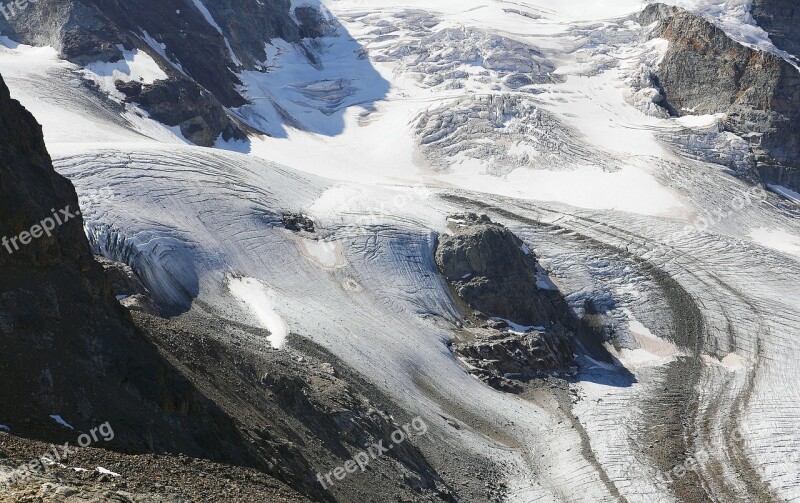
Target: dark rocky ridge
point(487, 266)
point(706, 72)
point(66, 345)
point(493, 272)
point(196, 94)
point(781, 19)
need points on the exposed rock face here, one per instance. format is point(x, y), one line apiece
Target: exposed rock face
point(300, 417)
point(128, 287)
point(497, 356)
point(66, 345)
point(706, 72)
point(297, 222)
point(492, 270)
point(781, 19)
point(198, 44)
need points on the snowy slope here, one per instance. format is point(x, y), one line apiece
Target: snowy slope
point(415, 112)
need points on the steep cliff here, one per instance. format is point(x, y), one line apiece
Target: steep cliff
point(66, 345)
point(706, 72)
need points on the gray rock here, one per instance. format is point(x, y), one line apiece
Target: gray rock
point(488, 267)
point(200, 61)
point(706, 72)
point(66, 344)
point(781, 19)
point(128, 287)
point(165, 386)
point(297, 222)
point(496, 360)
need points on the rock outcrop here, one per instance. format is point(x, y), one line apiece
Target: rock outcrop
point(497, 357)
point(199, 45)
point(706, 72)
point(493, 271)
point(68, 348)
point(495, 274)
point(781, 19)
point(128, 287)
point(66, 345)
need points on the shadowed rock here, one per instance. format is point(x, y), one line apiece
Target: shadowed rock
point(781, 19)
point(66, 345)
point(494, 273)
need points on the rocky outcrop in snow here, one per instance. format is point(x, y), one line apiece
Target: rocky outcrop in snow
point(199, 45)
point(706, 72)
point(502, 358)
point(493, 271)
point(66, 345)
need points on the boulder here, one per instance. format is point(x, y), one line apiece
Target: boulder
point(493, 271)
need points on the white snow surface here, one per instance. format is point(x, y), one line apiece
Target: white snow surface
point(777, 239)
point(106, 471)
point(261, 300)
point(136, 66)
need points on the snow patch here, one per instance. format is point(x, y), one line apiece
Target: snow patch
point(731, 362)
point(777, 239)
point(699, 121)
point(136, 66)
point(261, 301)
point(106, 471)
point(327, 254)
point(652, 350)
point(61, 421)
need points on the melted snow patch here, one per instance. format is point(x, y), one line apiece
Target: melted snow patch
point(327, 254)
point(731, 362)
point(777, 239)
point(261, 301)
point(652, 349)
